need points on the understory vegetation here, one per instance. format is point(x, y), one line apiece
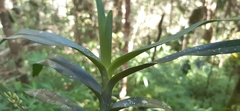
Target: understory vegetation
point(194, 57)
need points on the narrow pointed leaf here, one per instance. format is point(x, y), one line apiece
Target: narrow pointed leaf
point(140, 102)
point(223, 47)
point(108, 31)
point(70, 70)
point(51, 97)
point(123, 59)
point(101, 27)
point(56, 40)
point(106, 42)
point(101, 14)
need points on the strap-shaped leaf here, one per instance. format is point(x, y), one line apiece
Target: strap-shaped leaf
point(51, 97)
point(101, 14)
point(140, 102)
point(68, 69)
point(107, 50)
point(123, 59)
point(223, 47)
point(56, 40)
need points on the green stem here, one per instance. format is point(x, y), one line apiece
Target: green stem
point(105, 103)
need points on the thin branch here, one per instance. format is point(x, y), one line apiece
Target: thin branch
point(159, 35)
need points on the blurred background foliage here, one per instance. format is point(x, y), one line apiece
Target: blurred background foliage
point(185, 84)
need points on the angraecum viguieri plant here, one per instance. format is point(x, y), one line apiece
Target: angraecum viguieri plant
point(108, 67)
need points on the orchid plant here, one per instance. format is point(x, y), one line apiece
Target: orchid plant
point(108, 67)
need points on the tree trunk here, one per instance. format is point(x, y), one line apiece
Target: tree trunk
point(123, 91)
point(13, 45)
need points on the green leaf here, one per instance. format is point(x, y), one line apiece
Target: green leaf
point(223, 47)
point(57, 40)
point(36, 69)
point(125, 58)
point(139, 102)
point(51, 97)
point(104, 43)
point(70, 70)
point(107, 49)
point(101, 14)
